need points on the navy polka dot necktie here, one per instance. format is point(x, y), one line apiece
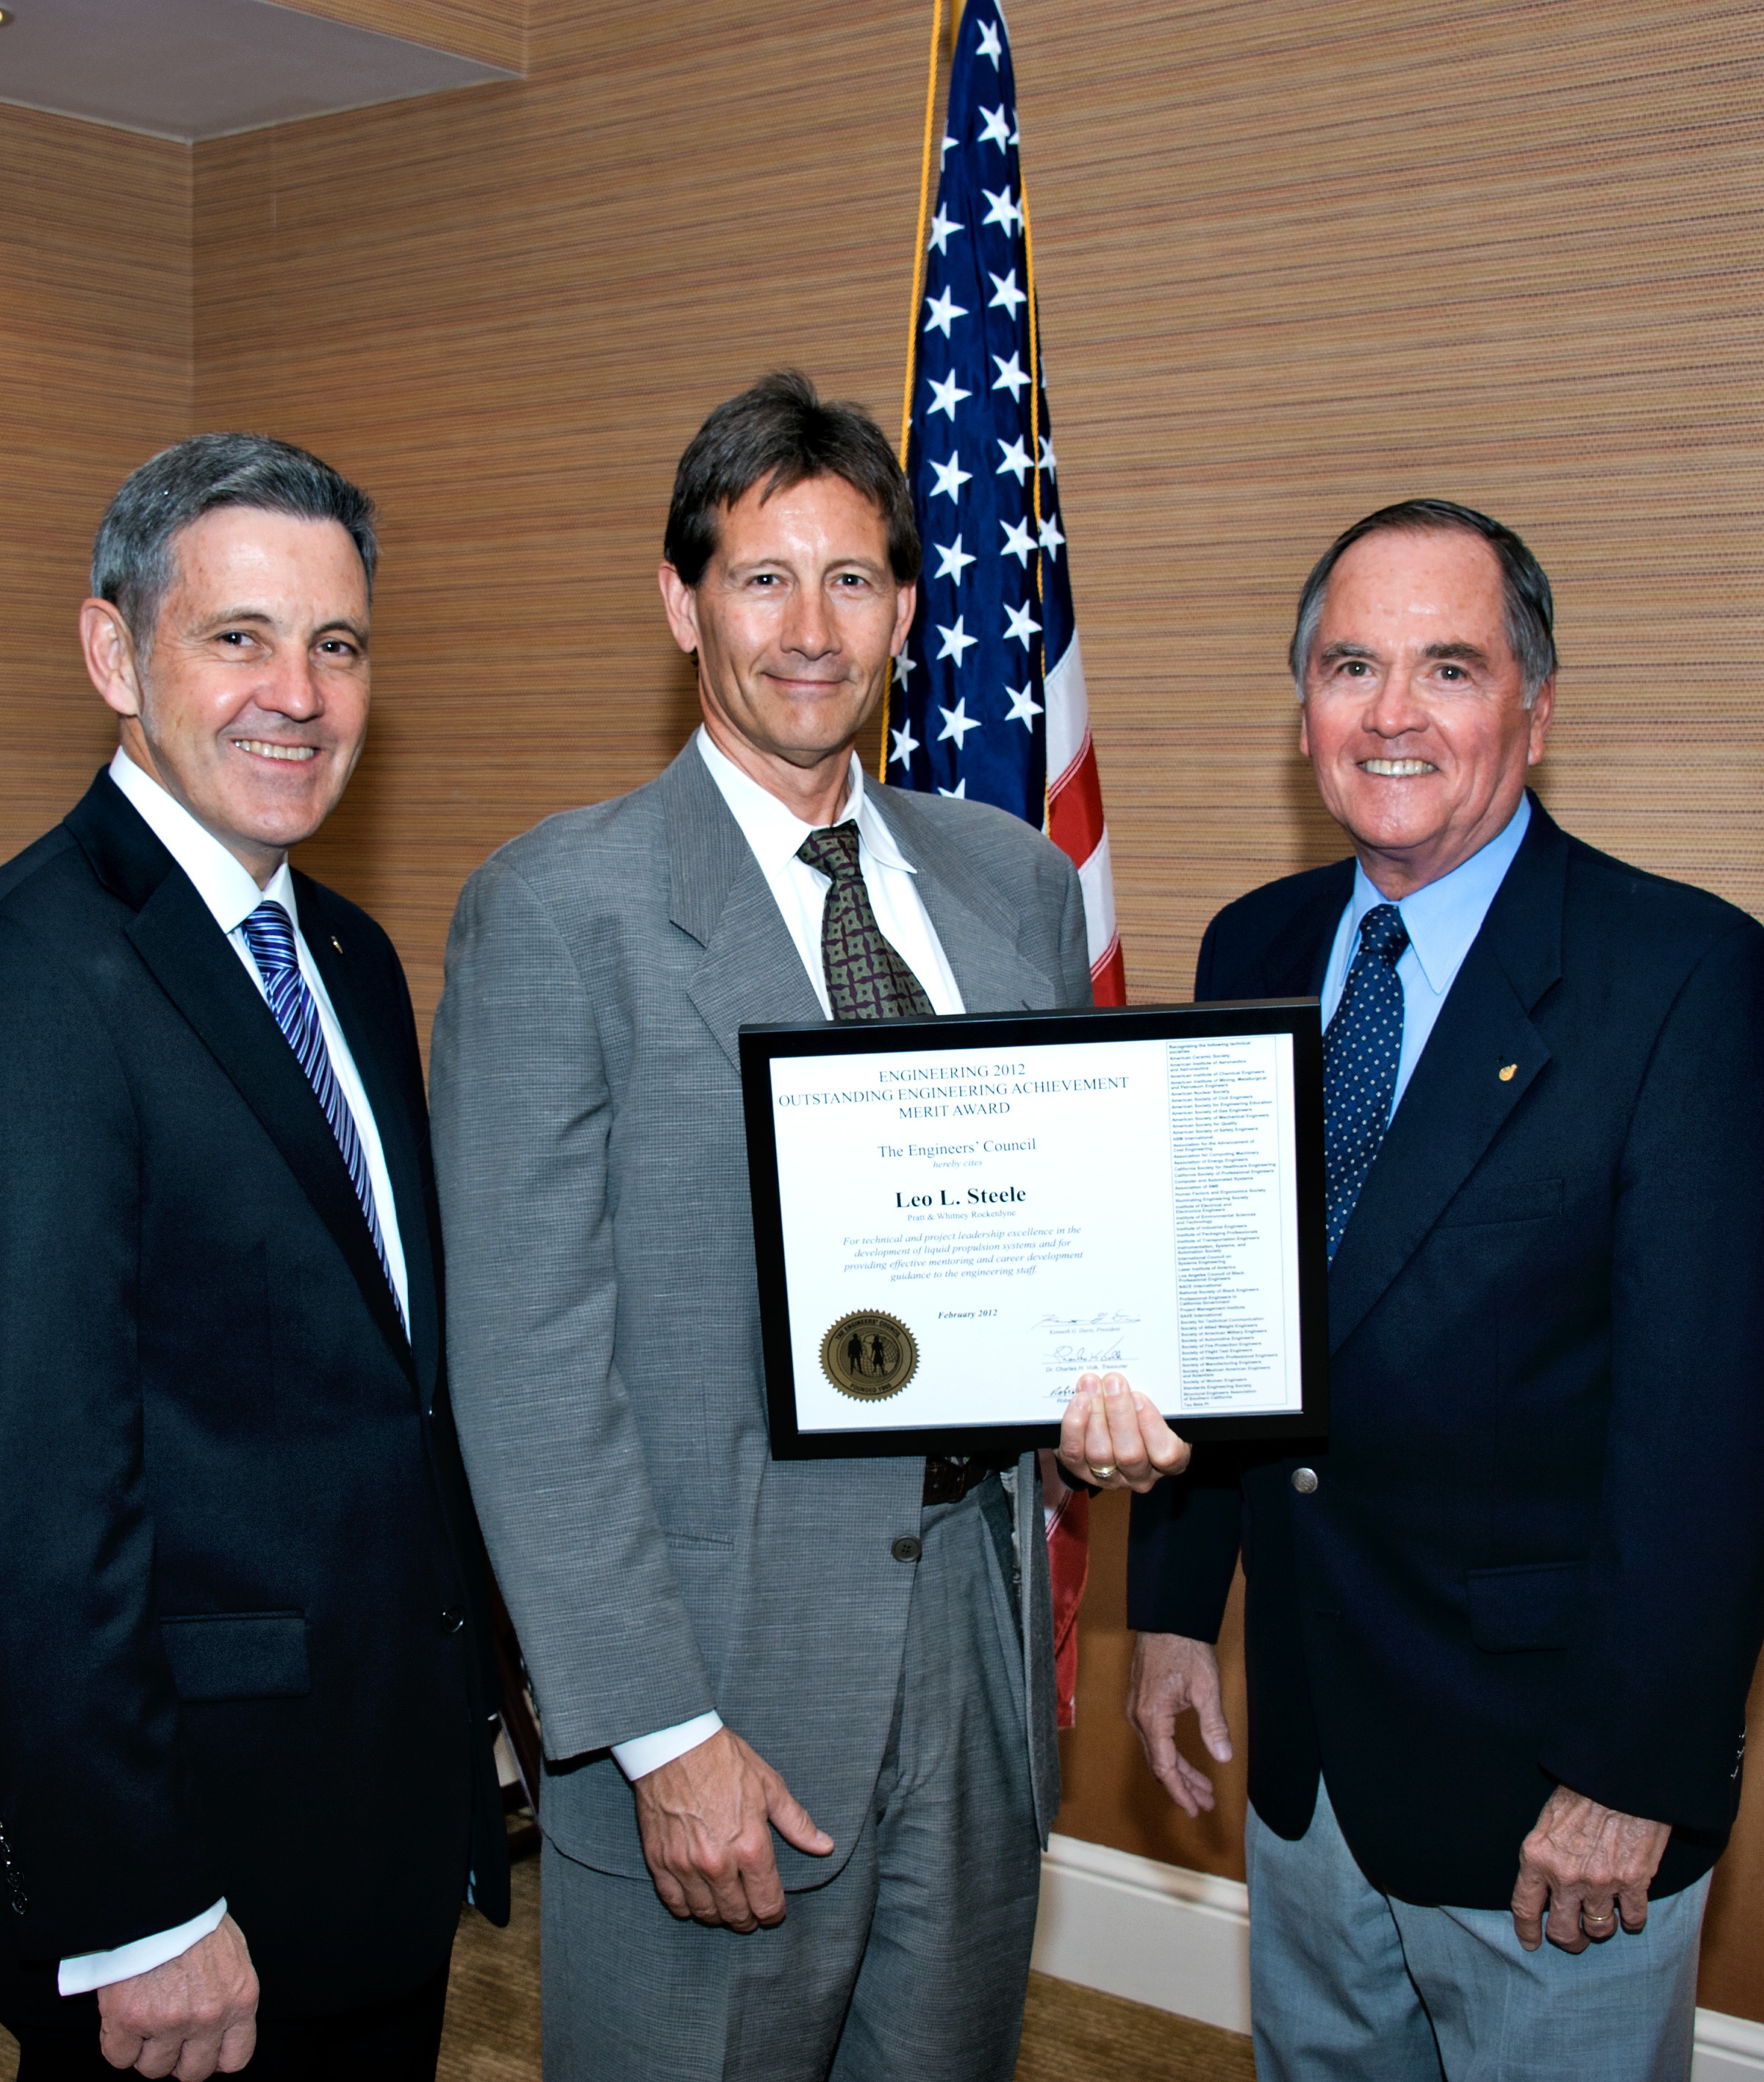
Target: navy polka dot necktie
point(1361, 1052)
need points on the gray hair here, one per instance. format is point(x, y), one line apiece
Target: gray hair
point(134, 560)
point(1531, 607)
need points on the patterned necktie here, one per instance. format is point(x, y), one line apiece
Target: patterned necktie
point(269, 934)
point(866, 978)
point(1361, 1052)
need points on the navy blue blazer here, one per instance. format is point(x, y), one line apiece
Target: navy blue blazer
point(1535, 1551)
point(242, 1648)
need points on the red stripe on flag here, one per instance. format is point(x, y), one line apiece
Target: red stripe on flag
point(1068, 1565)
point(1108, 975)
point(1074, 809)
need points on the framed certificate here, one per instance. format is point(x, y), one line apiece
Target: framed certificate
point(955, 1218)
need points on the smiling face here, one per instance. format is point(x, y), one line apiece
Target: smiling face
point(794, 622)
point(1415, 720)
point(251, 706)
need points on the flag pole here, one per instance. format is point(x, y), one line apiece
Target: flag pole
point(912, 315)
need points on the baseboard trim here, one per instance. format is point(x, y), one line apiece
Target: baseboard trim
point(1179, 1940)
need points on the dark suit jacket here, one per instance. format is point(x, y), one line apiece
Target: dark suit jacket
point(241, 1635)
point(1535, 1553)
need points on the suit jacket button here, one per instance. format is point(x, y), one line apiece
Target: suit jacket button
point(907, 1548)
point(452, 1620)
point(1304, 1481)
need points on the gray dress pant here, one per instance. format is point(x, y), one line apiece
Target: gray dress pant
point(1347, 1984)
point(912, 1964)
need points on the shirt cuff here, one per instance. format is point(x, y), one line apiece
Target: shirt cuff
point(643, 1754)
point(100, 1970)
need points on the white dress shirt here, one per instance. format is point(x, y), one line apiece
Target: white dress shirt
point(800, 891)
point(227, 888)
point(1441, 920)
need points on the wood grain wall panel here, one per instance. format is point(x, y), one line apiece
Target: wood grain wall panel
point(1110, 1796)
point(546, 286)
point(95, 341)
point(492, 31)
point(1295, 261)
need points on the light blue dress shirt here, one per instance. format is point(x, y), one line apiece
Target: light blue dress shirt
point(1441, 919)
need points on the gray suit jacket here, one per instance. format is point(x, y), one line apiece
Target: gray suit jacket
point(603, 1319)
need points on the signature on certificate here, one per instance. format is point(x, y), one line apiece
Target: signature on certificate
point(1088, 1341)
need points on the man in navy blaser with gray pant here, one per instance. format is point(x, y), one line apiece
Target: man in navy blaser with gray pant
point(1500, 1627)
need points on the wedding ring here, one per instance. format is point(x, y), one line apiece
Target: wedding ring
point(1609, 1916)
point(1101, 1474)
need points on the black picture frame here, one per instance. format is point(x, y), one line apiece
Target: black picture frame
point(761, 1046)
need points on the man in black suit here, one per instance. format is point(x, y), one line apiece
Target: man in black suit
point(244, 1708)
point(1501, 1628)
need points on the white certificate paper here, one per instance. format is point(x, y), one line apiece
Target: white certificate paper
point(1024, 1214)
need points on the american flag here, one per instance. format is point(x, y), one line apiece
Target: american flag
point(976, 709)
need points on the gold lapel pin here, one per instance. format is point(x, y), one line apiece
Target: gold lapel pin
point(338, 945)
point(1505, 1072)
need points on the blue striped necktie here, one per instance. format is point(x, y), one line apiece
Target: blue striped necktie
point(1361, 1052)
point(269, 934)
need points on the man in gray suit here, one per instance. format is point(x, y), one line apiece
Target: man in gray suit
point(723, 1646)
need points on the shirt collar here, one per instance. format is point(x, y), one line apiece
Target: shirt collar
point(1443, 917)
point(775, 832)
point(222, 882)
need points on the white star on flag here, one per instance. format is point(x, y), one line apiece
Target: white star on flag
point(956, 723)
point(988, 45)
point(1010, 375)
point(993, 131)
point(905, 667)
point(1018, 542)
point(1017, 137)
point(941, 225)
point(951, 477)
point(958, 793)
point(949, 146)
point(905, 744)
point(1008, 294)
point(939, 311)
point(1021, 626)
point(1048, 463)
point(946, 397)
point(1006, 209)
point(954, 642)
point(955, 560)
point(1025, 708)
point(1016, 459)
point(1051, 538)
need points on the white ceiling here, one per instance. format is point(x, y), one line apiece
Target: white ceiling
point(193, 69)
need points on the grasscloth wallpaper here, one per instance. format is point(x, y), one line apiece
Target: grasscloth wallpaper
point(1294, 260)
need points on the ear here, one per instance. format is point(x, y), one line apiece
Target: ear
point(906, 600)
point(1304, 729)
point(109, 651)
point(681, 602)
point(1542, 710)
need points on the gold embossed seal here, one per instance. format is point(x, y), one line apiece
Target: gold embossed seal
point(869, 1356)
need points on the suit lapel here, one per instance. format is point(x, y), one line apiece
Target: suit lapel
point(751, 974)
point(977, 931)
point(175, 935)
point(399, 1135)
point(1298, 957)
point(1481, 1059)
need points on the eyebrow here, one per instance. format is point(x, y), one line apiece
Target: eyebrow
point(1332, 652)
point(257, 614)
point(1467, 654)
